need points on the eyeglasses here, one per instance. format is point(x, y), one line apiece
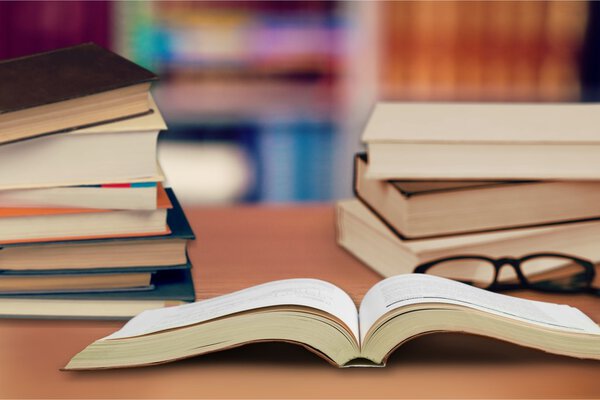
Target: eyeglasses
point(547, 272)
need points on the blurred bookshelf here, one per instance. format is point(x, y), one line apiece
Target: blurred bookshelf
point(483, 51)
point(265, 100)
point(259, 78)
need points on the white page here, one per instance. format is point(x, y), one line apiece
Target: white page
point(402, 290)
point(300, 292)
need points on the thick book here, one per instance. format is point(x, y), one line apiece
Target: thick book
point(44, 224)
point(370, 240)
point(123, 152)
point(484, 141)
point(122, 253)
point(422, 208)
point(69, 88)
point(169, 287)
point(323, 318)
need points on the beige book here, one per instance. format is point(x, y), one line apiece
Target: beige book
point(323, 318)
point(424, 208)
point(118, 152)
point(169, 287)
point(116, 197)
point(77, 281)
point(370, 240)
point(77, 308)
point(56, 224)
point(91, 254)
point(83, 225)
point(483, 141)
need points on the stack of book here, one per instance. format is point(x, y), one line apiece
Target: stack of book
point(86, 227)
point(443, 180)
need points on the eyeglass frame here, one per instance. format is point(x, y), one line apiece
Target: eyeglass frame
point(515, 263)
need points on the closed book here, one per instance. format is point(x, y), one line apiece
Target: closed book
point(44, 224)
point(23, 282)
point(424, 208)
point(87, 280)
point(123, 152)
point(111, 196)
point(130, 253)
point(170, 287)
point(365, 236)
point(69, 88)
point(484, 141)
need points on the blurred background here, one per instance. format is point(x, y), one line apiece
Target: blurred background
point(265, 101)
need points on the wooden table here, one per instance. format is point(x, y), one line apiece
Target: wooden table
point(238, 247)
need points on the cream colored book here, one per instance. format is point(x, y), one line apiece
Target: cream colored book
point(169, 287)
point(118, 152)
point(77, 281)
point(423, 208)
point(129, 196)
point(92, 254)
point(483, 141)
point(323, 318)
point(365, 236)
point(57, 224)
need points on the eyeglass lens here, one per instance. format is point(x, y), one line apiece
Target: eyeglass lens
point(546, 272)
point(554, 272)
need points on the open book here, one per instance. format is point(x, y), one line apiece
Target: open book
point(323, 318)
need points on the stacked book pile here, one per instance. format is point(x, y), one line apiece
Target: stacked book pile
point(443, 180)
point(86, 227)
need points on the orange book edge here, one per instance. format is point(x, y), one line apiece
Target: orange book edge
point(162, 201)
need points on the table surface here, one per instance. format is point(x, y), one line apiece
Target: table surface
point(242, 246)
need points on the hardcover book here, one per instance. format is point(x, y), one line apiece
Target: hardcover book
point(123, 252)
point(52, 281)
point(423, 208)
point(476, 141)
point(113, 196)
point(324, 319)
point(368, 238)
point(169, 287)
point(67, 89)
point(123, 152)
point(45, 224)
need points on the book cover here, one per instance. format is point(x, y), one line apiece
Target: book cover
point(64, 74)
point(68, 89)
point(173, 285)
point(92, 271)
point(162, 201)
point(176, 220)
point(457, 123)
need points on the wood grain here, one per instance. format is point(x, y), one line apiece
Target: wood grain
point(243, 246)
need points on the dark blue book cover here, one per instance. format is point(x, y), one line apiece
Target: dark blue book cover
point(169, 284)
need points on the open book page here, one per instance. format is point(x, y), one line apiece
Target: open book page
point(312, 293)
point(402, 290)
